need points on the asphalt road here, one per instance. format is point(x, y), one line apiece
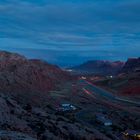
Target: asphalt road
point(89, 88)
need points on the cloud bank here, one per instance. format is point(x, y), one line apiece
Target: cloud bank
point(74, 29)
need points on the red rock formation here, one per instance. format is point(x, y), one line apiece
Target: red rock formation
point(132, 65)
point(20, 75)
point(99, 67)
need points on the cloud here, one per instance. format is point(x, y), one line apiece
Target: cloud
point(71, 25)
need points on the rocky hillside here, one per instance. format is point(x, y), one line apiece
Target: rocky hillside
point(19, 75)
point(26, 122)
point(132, 65)
point(99, 67)
point(128, 82)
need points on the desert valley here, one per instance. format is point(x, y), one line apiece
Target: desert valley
point(41, 101)
point(69, 69)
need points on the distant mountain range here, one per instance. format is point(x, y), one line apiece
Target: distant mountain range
point(107, 67)
point(127, 82)
point(99, 67)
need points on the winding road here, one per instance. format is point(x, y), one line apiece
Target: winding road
point(92, 89)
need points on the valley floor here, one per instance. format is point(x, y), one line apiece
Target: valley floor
point(47, 122)
point(94, 101)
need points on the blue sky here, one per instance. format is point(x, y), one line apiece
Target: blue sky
point(68, 32)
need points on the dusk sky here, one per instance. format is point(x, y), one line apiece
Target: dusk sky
point(69, 32)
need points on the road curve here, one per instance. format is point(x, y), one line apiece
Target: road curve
point(91, 88)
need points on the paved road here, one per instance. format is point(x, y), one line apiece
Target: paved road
point(89, 88)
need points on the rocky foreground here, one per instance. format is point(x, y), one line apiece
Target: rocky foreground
point(28, 122)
